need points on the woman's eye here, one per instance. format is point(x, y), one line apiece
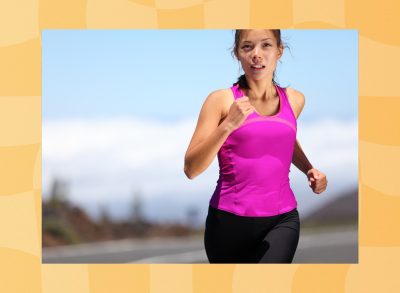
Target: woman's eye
point(245, 46)
point(267, 45)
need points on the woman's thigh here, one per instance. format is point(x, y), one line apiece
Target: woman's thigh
point(228, 238)
point(279, 244)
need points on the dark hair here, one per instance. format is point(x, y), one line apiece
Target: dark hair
point(242, 81)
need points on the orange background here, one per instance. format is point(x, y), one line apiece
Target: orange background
point(21, 22)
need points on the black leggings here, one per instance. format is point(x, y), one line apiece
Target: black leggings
point(229, 238)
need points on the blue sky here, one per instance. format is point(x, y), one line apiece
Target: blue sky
point(166, 74)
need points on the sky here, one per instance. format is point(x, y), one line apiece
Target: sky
point(120, 107)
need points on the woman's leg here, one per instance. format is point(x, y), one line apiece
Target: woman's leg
point(227, 238)
point(280, 243)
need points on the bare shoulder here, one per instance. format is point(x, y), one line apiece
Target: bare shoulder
point(296, 100)
point(223, 95)
point(295, 96)
point(222, 99)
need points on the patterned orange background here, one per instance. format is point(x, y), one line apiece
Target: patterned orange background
point(21, 22)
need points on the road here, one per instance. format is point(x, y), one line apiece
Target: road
point(337, 245)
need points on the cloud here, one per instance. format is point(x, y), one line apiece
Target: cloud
point(108, 160)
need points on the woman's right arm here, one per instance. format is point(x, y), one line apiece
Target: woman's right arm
point(208, 136)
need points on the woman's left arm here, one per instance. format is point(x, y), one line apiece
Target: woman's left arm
point(316, 179)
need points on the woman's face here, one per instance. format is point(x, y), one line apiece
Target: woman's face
point(258, 53)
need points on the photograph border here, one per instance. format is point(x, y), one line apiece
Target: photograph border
point(20, 147)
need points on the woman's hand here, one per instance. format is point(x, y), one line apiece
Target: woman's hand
point(238, 112)
point(317, 180)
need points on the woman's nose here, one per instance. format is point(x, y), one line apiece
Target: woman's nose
point(256, 53)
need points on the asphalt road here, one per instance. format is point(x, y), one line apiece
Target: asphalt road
point(337, 245)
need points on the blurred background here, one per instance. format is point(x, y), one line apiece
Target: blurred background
point(119, 110)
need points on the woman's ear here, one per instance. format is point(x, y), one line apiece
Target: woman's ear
point(280, 51)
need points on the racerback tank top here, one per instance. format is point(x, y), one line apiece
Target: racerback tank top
point(254, 163)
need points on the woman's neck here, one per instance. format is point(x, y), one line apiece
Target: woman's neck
point(261, 89)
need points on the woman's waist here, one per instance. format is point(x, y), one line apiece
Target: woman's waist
point(253, 184)
point(253, 201)
point(256, 173)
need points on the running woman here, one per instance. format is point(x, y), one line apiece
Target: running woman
point(251, 127)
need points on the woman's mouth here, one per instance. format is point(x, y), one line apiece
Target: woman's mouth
point(257, 67)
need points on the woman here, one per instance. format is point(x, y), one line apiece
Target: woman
point(252, 217)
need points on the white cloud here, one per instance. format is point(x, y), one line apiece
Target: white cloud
point(106, 160)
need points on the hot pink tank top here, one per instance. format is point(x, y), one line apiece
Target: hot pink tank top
point(254, 163)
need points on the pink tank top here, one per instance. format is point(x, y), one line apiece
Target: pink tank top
point(254, 163)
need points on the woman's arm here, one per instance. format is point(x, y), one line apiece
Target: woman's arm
point(316, 179)
point(297, 101)
point(300, 160)
point(209, 135)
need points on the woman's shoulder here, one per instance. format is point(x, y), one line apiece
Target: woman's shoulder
point(296, 100)
point(222, 93)
point(222, 99)
point(295, 94)
point(222, 96)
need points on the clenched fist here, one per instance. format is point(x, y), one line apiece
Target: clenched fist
point(238, 112)
point(317, 180)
